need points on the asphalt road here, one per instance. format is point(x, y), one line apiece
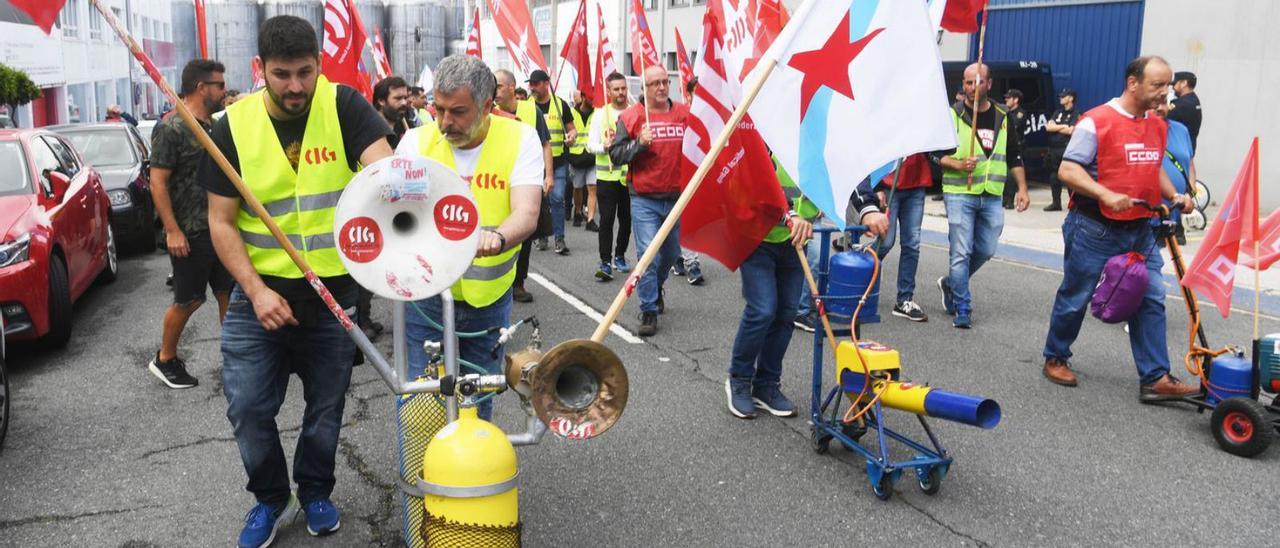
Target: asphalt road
point(101, 454)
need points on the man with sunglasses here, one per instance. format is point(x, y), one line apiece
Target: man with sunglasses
point(182, 205)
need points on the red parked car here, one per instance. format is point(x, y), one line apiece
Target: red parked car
point(55, 234)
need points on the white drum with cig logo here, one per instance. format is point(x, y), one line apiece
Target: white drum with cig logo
point(407, 228)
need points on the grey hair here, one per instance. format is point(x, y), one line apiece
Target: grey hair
point(464, 71)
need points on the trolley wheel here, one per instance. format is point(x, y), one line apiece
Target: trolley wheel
point(1241, 427)
point(931, 483)
point(1194, 220)
point(820, 441)
point(883, 489)
point(1202, 196)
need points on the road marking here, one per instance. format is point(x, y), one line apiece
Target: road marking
point(584, 308)
point(1176, 295)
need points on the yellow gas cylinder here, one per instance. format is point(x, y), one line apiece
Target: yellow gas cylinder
point(469, 478)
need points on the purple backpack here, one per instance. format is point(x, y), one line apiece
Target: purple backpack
point(1121, 288)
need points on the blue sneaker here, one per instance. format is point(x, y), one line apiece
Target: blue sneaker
point(739, 394)
point(948, 298)
point(695, 274)
point(322, 517)
point(620, 264)
point(678, 268)
point(262, 522)
point(962, 320)
point(771, 399)
point(605, 272)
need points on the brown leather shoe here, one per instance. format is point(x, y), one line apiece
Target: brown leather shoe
point(518, 294)
point(1059, 372)
point(1167, 388)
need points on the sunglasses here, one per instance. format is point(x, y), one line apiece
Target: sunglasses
point(220, 84)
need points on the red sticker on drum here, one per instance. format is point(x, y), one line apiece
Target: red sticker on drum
point(360, 240)
point(456, 217)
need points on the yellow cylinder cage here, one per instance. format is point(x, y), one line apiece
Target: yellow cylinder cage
point(301, 201)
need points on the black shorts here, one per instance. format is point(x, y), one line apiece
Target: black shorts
point(199, 269)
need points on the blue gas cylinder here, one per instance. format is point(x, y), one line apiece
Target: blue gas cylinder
point(851, 271)
point(1230, 375)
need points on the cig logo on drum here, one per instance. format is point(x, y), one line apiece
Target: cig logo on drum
point(456, 217)
point(360, 239)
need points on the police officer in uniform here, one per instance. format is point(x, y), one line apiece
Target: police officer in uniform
point(296, 143)
point(1059, 129)
point(1186, 108)
point(468, 138)
point(1021, 124)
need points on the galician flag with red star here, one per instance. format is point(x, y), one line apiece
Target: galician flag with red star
point(858, 83)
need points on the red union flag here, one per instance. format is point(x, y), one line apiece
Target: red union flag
point(576, 55)
point(643, 52)
point(473, 37)
point(382, 65)
point(344, 38)
point(259, 78)
point(43, 12)
point(748, 27)
point(682, 59)
point(516, 28)
point(604, 62)
point(1213, 270)
point(201, 34)
point(1268, 248)
point(956, 15)
point(741, 198)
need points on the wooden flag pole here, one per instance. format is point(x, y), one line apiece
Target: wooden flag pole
point(221, 161)
point(978, 95)
point(1257, 257)
point(685, 196)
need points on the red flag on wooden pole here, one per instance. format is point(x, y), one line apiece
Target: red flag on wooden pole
point(1213, 270)
point(43, 12)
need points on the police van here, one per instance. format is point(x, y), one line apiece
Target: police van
point(1039, 100)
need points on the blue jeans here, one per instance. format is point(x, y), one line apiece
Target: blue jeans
point(771, 280)
point(1089, 244)
point(476, 350)
point(975, 223)
point(558, 190)
point(256, 364)
point(906, 213)
point(647, 216)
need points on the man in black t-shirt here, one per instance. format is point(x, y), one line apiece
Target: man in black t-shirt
point(1059, 128)
point(1186, 108)
point(276, 324)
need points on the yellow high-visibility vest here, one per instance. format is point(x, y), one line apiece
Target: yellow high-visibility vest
point(990, 174)
point(488, 278)
point(302, 201)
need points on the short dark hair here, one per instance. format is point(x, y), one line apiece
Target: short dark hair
point(1137, 68)
point(1184, 76)
point(615, 75)
point(416, 90)
point(196, 71)
point(383, 88)
point(287, 37)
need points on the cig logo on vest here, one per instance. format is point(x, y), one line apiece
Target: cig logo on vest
point(456, 217)
point(1139, 153)
point(319, 155)
point(360, 239)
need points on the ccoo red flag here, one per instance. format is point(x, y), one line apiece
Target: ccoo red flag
point(201, 35)
point(741, 199)
point(682, 61)
point(577, 56)
point(43, 12)
point(643, 52)
point(962, 15)
point(344, 39)
point(516, 28)
point(604, 61)
point(1213, 270)
point(383, 64)
point(1268, 247)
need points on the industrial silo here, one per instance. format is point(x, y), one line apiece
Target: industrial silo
point(232, 27)
point(310, 10)
point(417, 36)
point(185, 42)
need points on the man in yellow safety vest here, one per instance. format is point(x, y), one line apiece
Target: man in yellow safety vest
point(296, 143)
point(506, 155)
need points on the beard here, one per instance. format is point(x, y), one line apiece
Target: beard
point(279, 101)
point(393, 115)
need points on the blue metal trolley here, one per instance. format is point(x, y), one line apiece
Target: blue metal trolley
point(930, 463)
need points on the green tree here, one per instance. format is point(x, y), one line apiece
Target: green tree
point(16, 88)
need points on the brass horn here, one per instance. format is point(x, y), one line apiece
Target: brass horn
point(578, 388)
